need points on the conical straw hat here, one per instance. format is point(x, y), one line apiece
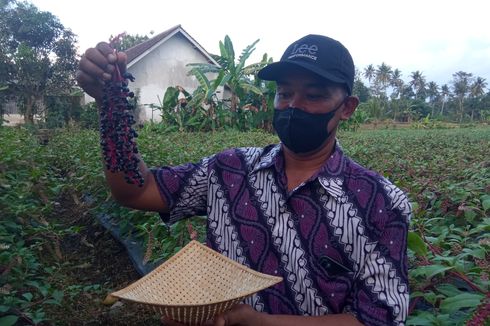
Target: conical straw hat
point(196, 284)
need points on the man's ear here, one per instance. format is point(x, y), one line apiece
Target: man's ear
point(350, 106)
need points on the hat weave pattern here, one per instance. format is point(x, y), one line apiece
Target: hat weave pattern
point(195, 285)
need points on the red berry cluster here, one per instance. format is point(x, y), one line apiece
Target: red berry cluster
point(117, 135)
point(482, 314)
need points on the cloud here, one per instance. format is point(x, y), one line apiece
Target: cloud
point(436, 37)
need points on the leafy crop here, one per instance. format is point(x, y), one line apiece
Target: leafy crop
point(26, 184)
point(446, 173)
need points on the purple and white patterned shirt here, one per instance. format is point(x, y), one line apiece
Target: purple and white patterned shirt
point(338, 240)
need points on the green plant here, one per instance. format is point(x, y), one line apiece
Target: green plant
point(445, 172)
point(25, 233)
point(89, 116)
point(359, 117)
point(233, 98)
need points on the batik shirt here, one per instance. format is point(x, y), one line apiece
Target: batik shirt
point(338, 240)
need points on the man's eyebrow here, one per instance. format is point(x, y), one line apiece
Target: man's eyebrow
point(308, 85)
point(318, 85)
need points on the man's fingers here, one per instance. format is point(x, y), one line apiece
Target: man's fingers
point(84, 79)
point(98, 65)
point(169, 322)
point(104, 57)
point(97, 57)
point(236, 315)
point(219, 320)
point(90, 68)
point(107, 51)
point(122, 59)
point(89, 84)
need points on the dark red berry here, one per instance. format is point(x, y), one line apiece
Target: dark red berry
point(117, 135)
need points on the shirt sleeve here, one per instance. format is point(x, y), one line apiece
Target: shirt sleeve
point(381, 292)
point(184, 189)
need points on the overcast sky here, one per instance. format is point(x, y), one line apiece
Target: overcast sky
point(435, 37)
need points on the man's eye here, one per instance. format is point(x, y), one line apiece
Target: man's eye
point(315, 96)
point(283, 95)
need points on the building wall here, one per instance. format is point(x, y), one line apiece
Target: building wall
point(164, 67)
point(13, 116)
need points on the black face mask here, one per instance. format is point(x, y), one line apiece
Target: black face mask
point(300, 131)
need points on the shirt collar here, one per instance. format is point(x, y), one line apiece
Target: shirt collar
point(330, 176)
point(267, 158)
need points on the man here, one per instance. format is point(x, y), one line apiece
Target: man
point(335, 231)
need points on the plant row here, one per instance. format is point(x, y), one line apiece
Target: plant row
point(446, 173)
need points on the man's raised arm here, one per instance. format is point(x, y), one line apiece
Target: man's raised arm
point(96, 68)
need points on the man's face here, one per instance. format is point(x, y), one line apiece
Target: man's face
point(304, 90)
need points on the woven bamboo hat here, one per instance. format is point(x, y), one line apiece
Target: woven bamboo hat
point(195, 285)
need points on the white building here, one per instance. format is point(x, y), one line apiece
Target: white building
point(161, 62)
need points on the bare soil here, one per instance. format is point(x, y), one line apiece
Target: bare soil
point(92, 265)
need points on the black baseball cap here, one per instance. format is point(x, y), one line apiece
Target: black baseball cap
point(319, 54)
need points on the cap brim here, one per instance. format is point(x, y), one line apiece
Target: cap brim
point(275, 71)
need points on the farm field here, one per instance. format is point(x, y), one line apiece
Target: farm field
point(57, 263)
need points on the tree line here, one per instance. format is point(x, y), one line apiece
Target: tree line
point(38, 57)
point(38, 61)
point(387, 96)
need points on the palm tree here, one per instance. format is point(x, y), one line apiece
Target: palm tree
point(433, 93)
point(407, 92)
point(445, 92)
point(397, 84)
point(418, 83)
point(360, 89)
point(369, 73)
point(477, 89)
point(383, 76)
point(461, 88)
point(381, 82)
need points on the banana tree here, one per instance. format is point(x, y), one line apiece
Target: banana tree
point(204, 98)
point(263, 105)
point(231, 73)
point(234, 74)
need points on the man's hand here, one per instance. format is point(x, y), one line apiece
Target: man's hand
point(97, 66)
point(245, 315)
point(238, 315)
